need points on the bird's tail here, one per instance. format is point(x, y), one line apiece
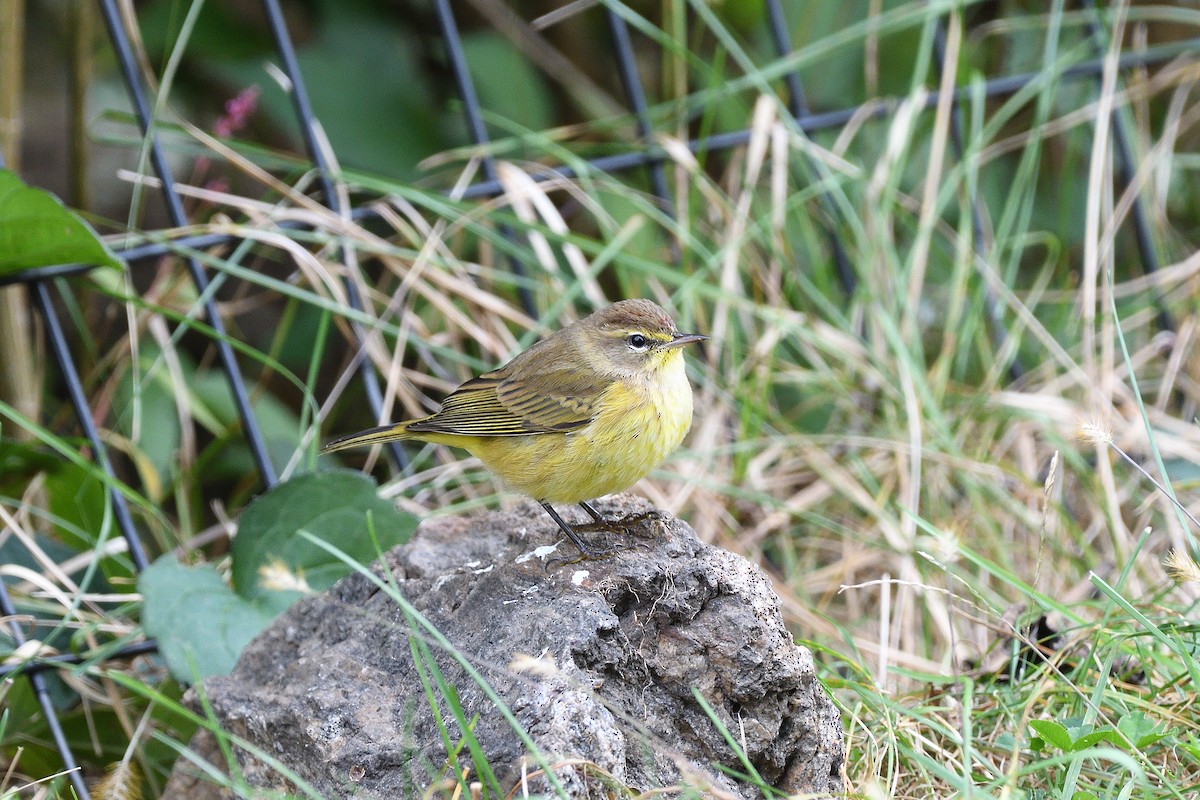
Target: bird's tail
point(384, 433)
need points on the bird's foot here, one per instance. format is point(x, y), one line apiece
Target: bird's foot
point(586, 551)
point(621, 525)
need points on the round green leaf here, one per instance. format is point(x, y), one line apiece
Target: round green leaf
point(200, 624)
point(339, 507)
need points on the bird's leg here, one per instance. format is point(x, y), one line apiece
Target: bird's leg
point(588, 552)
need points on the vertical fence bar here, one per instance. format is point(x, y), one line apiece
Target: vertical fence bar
point(70, 375)
point(307, 121)
point(798, 106)
point(631, 81)
point(474, 118)
point(250, 427)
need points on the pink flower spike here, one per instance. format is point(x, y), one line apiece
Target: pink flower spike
point(238, 111)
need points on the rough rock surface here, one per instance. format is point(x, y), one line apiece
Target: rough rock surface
point(598, 661)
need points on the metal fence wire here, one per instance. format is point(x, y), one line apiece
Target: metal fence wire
point(42, 283)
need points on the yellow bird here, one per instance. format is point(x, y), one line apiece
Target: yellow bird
point(585, 412)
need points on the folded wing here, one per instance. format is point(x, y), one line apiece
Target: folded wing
point(494, 405)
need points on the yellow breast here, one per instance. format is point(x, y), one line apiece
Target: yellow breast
point(639, 424)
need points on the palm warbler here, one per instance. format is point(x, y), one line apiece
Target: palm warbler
point(585, 412)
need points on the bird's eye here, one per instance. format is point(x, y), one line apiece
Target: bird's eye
point(637, 341)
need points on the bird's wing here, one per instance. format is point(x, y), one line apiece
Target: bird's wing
point(497, 405)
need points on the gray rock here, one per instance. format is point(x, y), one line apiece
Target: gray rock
point(598, 661)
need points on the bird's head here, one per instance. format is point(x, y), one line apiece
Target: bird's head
point(635, 338)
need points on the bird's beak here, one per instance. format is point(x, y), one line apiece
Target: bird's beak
point(684, 338)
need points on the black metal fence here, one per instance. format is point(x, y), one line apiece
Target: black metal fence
point(647, 157)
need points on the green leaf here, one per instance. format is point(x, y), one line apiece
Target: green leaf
point(19, 463)
point(339, 507)
point(1146, 741)
point(506, 82)
point(1140, 729)
point(1076, 727)
point(78, 503)
point(1052, 732)
point(1134, 725)
point(37, 230)
point(1095, 737)
point(78, 506)
point(200, 624)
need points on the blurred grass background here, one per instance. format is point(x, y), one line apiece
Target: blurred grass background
point(966, 473)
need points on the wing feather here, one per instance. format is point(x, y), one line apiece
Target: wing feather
point(497, 404)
